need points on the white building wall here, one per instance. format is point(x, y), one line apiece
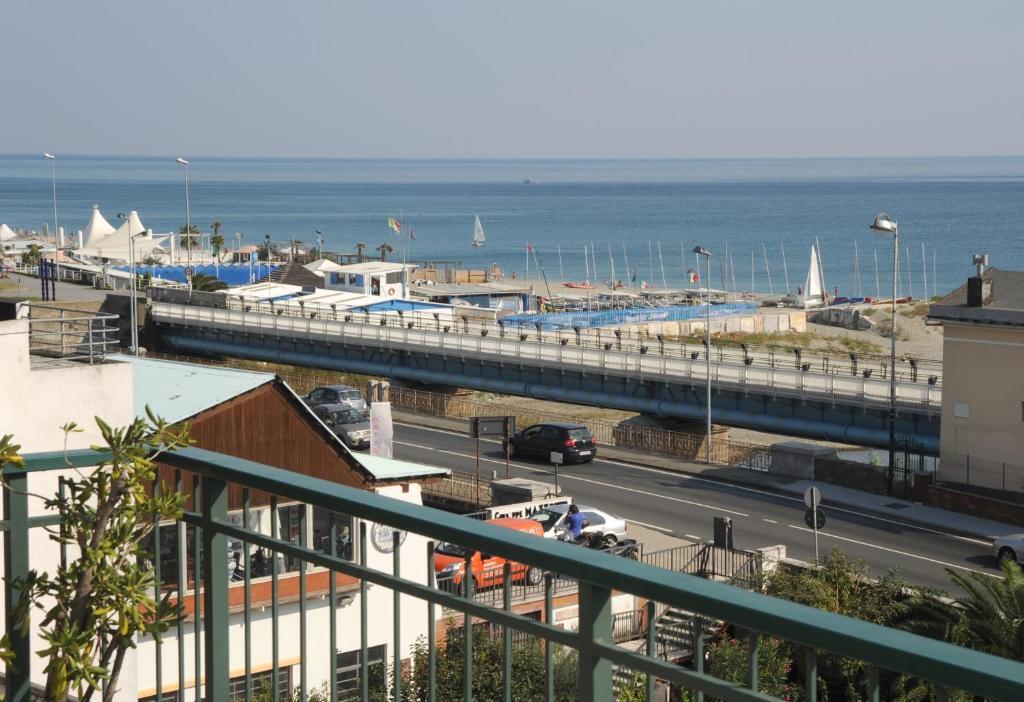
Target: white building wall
point(37, 402)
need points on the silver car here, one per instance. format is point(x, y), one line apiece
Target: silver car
point(349, 425)
point(336, 395)
point(1009, 548)
point(555, 519)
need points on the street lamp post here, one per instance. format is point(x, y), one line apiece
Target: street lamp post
point(133, 314)
point(56, 241)
point(188, 225)
point(701, 251)
point(887, 226)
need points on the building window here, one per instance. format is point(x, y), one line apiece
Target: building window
point(334, 278)
point(395, 277)
point(344, 543)
point(262, 685)
point(349, 666)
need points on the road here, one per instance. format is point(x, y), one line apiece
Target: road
point(685, 505)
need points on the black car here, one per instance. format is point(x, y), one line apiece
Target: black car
point(573, 441)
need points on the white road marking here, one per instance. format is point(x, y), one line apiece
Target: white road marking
point(564, 477)
point(767, 493)
point(650, 526)
point(693, 537)
point(770, 521)
point(885, 548)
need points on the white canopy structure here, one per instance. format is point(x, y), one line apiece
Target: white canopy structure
point(322, 266)
point(814, 286)
point(6, 232)
point(96, 230)
point(116, 246)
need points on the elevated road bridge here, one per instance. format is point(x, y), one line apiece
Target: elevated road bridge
point(800, 393)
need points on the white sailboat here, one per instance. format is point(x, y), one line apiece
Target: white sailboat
point(813, 294)
point(478, 233)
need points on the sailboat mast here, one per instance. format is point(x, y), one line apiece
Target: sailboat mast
point(732, 269)
point(625, 257)
point(543, 275)
point(611, 260)
point(910, 275)
point(751, 270)
point(561, 273)
point(856, 269)
point(924, 269)
point(650, 256)
point(878, 288)
point(821, 272)
point(661, 262)
point(767, 270)
point(593, 257)
point(785, 269)
point(935, 280)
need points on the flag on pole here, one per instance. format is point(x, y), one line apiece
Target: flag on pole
point(394, 225)
point(694, 276)
point(528, 247)
point(412, 233)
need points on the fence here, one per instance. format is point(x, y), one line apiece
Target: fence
point(223, 633)
point(71, 334)
point(980, 475)
point(775, 356)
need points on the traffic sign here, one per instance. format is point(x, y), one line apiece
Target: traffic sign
point(814, 518)
point(812, 497)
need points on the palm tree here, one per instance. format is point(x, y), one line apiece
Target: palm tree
point(359, 251)
point(384, 249)
point(216, 241)
point(188, 235)
point(989, 618)
point(207, 283)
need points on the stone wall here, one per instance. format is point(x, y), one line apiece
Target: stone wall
point(969, 503)
point(852, 474)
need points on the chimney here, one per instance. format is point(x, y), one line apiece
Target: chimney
point(979, 288)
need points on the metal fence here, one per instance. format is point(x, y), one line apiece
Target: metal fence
point(993, 478)
point(70, 334)
point(214, 642)
point(634, 338)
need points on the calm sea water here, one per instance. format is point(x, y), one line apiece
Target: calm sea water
point(954, 206)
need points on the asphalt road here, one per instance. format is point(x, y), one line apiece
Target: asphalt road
point(685, 505)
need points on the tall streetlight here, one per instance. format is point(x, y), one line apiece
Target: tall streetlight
point(133, 290)
point(56, 242)
point(188, 225)
point(701, 251)
point(886, 226)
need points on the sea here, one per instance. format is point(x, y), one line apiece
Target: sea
point(575, 218)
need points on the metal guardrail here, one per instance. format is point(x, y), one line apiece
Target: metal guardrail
point(598, 576)
point(552, 350)
point(70, 334)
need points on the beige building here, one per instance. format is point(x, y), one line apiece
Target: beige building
point(982, 441)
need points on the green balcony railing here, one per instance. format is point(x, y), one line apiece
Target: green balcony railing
point(210, 478)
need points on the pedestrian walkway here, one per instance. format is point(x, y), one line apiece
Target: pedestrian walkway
point(835, 495)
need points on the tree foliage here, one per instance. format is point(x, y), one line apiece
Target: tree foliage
point(97, 605)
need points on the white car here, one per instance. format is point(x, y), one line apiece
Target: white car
point(555, 518)
point(1009, 547)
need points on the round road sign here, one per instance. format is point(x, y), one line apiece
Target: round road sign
point(812, 497)
point(814, 514)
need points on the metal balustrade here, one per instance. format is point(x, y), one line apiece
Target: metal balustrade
point(547, 350)
point(598, 576)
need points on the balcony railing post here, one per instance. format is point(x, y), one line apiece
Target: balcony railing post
point(595, 608)
point(215, 591)
point(16, 566)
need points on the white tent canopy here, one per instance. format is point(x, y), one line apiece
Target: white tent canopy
point(6, 232)
point(133, 225)
point(97, 229)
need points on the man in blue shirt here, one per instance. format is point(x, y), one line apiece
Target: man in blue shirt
point(576, 522)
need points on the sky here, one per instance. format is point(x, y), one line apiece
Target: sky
point(527, 79)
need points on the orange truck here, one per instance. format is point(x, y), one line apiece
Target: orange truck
point(487, 570)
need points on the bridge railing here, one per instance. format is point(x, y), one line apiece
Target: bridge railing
point(473, 322)
point(641, 364)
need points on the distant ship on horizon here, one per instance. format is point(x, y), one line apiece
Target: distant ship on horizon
point(529, 181)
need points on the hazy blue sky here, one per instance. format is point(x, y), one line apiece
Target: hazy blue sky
point(534, 78)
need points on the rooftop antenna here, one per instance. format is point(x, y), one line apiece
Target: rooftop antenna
point(980, 261)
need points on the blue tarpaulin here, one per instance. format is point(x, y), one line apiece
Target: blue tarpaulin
point(230, 273)
point(630, 315)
